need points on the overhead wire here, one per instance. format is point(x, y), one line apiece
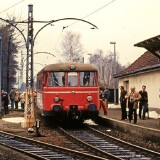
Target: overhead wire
point(82, 18)
point(59, 38)
point(93, 12)
point(12, 6)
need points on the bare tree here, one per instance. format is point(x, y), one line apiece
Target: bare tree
point(105, 66)
point(72, 48)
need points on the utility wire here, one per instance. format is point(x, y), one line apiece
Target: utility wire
point(59, 38)
point(93, 12)
point(82, 18)
point(12, 6)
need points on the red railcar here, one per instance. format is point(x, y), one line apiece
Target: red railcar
point(68, 91)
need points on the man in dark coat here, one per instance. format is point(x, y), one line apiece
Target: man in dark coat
point(123, 102)
point(143, 103)
point(5, 99)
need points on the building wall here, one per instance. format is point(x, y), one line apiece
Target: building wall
point(152, 82)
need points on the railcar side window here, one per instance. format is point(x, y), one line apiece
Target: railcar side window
point(57, 79)
point(87, 78)
point(72, 79)
point(39, 83)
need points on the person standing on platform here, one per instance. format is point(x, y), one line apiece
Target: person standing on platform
point(17, 99)
point(12, 95)
point(133, 98)
point(123, 102)
point(5, 99)
point(143, 103)
point(106, 96)
point(2, 92)
point(101, 101)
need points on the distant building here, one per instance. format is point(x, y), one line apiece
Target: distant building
point(144, 71)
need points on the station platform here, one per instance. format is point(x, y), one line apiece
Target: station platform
point(152, 119)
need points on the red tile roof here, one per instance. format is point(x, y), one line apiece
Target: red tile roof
point(146, 62)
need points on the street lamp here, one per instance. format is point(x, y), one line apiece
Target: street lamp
point(114, 71)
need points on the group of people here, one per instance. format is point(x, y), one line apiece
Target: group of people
point(14, 97)
point(134, 100)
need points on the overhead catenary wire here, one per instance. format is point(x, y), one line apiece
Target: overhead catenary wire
point(54, 48)
point(93, 12)
point(82, 18)
point(11, 6)
point(67, 25)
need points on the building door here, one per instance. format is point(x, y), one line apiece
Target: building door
point(126, 85)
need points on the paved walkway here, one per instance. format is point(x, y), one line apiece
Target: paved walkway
point(153, 121)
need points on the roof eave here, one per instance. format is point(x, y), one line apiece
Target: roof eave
point(137, 72)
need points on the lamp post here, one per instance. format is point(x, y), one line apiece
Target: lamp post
point(114, 70)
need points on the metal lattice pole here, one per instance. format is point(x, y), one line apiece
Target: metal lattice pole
point(29, 97)
point(29, 65)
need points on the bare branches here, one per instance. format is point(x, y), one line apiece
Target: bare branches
point(71, 47)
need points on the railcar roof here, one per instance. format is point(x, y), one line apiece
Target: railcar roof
point(67, 67)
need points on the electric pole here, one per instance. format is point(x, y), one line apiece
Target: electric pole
point(29, 97)
point(114, 71)
point(21, 69)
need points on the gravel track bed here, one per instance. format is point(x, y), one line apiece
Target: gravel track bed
point(50, 135)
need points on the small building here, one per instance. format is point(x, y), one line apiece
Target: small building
point(144, 71)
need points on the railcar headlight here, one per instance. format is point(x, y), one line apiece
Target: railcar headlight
point(56, 99)
point(89, 98)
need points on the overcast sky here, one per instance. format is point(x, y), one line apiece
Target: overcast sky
point(125, 22)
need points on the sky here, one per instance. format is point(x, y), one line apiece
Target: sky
point(125, 22)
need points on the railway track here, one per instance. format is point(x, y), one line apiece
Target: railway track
point(101, 144)
point(40, 150)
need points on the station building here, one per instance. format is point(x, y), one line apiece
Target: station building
point(144, 71)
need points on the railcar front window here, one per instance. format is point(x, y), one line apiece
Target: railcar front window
point(57, 79)
point(87, 78)
point(72, 79)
